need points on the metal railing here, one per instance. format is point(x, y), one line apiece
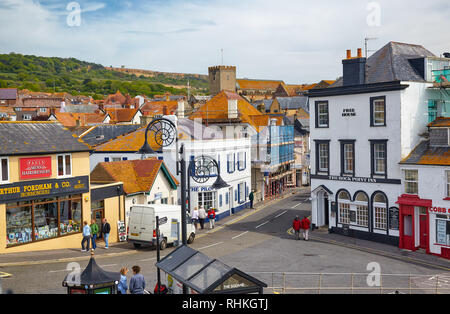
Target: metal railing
point(353, 283)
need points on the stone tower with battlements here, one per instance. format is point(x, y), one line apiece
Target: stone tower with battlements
point(222, 78)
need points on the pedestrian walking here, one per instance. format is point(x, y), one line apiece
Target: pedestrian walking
point(94, 231)
point(123, 287)
point(306, 224)
point(194, 217)
point(202, 217)
point(251, 197)
point(296, 225)
point(137, 282)
point(86, 237)
point(212, 217)
point(106, 229)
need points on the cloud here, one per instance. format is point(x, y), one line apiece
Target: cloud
point(293, 40)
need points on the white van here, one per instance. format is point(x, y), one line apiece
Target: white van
point(142, 225)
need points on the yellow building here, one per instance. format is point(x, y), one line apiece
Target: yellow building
point(44, 188)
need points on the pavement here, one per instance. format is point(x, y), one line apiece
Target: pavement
point(123, 248)
point(320, 235)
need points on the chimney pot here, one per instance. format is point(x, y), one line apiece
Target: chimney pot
point(359, 53)
point(349, 54)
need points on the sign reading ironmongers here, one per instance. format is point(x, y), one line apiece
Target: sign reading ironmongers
point(42, 188)
point(33, 168)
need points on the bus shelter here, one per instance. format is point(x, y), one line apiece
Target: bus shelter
point(203, 275)
point(93, 280)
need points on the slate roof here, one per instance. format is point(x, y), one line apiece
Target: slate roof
point(392, 63)
point(130, 142)
point(291, 103)
point(105, 132)
point(424, 154)
point(26, 138)
point(137, 175)
point(267, 103)
point(8, 93)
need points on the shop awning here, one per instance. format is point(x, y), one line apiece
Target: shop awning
point(207, 276)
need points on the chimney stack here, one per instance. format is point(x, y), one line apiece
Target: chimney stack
point(165, 111)
point(354, 69)
point(232, 109)
point(180, 109)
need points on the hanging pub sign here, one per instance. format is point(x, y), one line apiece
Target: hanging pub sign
point(34, 168)
point(23, 191)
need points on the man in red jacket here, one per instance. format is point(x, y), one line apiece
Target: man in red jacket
point(297, 226)
point(306, 224)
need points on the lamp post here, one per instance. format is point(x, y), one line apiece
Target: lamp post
point(202, 168)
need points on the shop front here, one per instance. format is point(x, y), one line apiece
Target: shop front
point(36, 211)
point(424, 224)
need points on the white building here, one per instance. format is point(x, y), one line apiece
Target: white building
point(232, 155)
point(425, 198)
point(361, 128)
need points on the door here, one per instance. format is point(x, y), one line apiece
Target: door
point(423, 232)
point(230, 199)
point(325, 210)
point(98, 213)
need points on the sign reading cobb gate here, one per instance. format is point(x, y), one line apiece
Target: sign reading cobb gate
point(33, 168)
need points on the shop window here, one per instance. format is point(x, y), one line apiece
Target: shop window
point(411, 182)
point(42, 219)
point(241, 192)
point(362, 210)
point(448, 183)
point(380, 211)
point(344, 207)
point(64, 165)
point(4, 170)
point(443, 232)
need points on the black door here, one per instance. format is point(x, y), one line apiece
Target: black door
point(327, 219)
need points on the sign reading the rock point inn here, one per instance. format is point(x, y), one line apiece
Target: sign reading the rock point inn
point(23, 191)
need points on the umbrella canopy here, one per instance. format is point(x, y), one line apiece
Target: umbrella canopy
point(92, 275)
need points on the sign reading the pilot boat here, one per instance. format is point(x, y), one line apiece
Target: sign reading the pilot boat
point(24, 191)
point(33, 168)
point(349, 113)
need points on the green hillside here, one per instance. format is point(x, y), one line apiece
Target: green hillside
point(83, 78)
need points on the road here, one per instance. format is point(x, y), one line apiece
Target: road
point(256, 242)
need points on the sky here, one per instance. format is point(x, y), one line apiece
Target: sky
point(295, 41)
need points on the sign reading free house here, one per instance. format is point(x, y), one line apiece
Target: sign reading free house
point(34, 168)
point(24, 191)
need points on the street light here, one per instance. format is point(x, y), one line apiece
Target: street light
point(165, 132)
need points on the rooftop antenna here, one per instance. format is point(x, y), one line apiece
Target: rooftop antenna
point(366, 44)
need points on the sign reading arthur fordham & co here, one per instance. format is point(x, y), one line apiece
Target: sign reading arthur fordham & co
point(23, 191)
point(34, 168)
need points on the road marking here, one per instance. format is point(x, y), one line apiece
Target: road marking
point(4, 275)
point(240, 235)
point(262, 224)
point(296, 205)
point(205, 247)
point(281, 214)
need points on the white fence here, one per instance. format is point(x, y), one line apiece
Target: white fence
point(353, 283)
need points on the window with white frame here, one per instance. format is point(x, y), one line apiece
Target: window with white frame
point(411, 182)
point(4, 170)
point(447, 173)
point(26, 117)
point(231, 162)
point(322, 114)
point(241, 161)
point(207, 200)
point(344, 207)
point(323, 157)
point(379, 158)
point(379, 112)
point(362, 210)
point(43, 110)
point(241, 191)
point(380, 211)
point(64, 165)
